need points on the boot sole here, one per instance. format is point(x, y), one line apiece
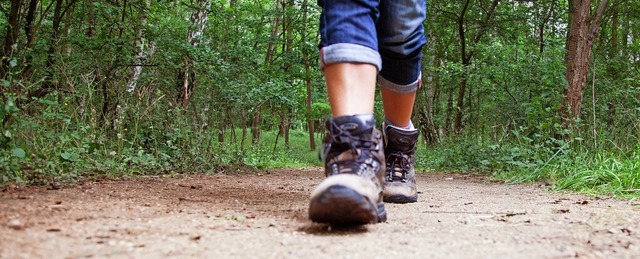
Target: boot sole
point(340, 205)
point(401, 199)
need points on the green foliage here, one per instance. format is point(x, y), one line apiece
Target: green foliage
point(596, 173)
point(297, 155)
point(558, 164)
point(91, 125)
point(67, 149)
point(601, 173)
point(250, 61)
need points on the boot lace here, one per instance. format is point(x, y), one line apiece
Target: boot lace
point(361, 149)
point(398, 165)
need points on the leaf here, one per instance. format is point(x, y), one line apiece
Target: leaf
point(18, 152)
point(69, 156)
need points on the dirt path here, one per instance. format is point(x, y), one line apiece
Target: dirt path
point(264, 216)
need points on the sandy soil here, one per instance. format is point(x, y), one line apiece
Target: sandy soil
point(264, 215)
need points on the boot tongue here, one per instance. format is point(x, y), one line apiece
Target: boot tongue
point(401, 139)
point(356, 124)
point(405, 140)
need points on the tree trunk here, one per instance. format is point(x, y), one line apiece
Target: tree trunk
point(230, 125)
point(457, 124)
point(447, 121)
point(611, 107)
point(543, 13)
point(186, 76)
point(541, 36)
point(91, 20)
point(221, 126)
point(625, 34)
point(275, 33)
point(49, 83)
point(307, 75)
point(30, 30)
point(286, 127)
point(65, 32)
point(613, 52)
point(141, 49)
point(243, 125)
point(428, 127)
point(582, 31)
point(93, 72)
point(255, 127)
point(466, 57)
point(119, 109)
point(141, 52)
point(283, 130)
point(10, 37)
point(470, 106)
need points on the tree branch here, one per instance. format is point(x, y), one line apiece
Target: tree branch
point(461, 32)
point(485, 21)
point(595, 25)
point(454, 15)
point(66, 8)
point(485, 24)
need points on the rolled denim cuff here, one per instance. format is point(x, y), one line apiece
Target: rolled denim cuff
point(401, 89)
point(348, 52)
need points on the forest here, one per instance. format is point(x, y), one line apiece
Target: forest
point(527, 91)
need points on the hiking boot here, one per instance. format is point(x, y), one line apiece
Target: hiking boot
point(354, 167)
point(399, 150)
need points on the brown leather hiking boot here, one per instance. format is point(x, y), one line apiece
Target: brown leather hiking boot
point(400, 178)
point(354, 166)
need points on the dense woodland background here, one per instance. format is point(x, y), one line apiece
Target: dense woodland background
point(526, 90)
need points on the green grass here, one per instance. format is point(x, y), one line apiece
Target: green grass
point(590, 173)
point(598, 173)
point(561, 168)
point(262, 155)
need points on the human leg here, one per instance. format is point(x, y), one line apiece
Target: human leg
point(351, 88)
point(398, 107)
point(401, 37)
point(349, 56)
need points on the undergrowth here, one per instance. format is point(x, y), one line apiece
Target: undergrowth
point(53, 147)
point(555, 163)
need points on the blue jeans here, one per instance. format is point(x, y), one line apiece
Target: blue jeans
point(385, 33)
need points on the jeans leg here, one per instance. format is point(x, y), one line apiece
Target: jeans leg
point(401, 37)
point(348, 32)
